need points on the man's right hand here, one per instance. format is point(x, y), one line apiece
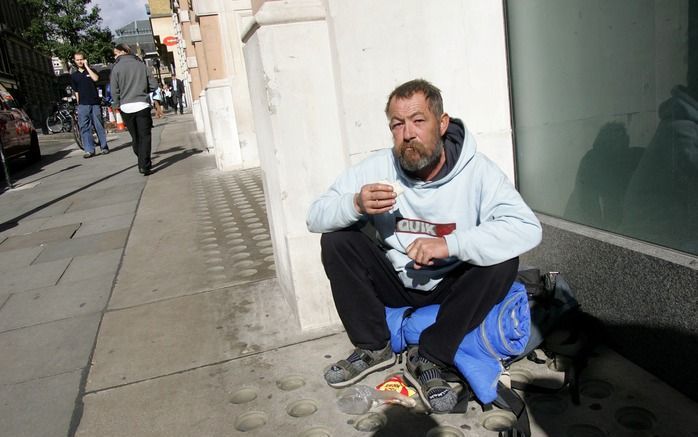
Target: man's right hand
point(375, 199)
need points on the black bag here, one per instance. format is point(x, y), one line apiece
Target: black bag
point(558, 327)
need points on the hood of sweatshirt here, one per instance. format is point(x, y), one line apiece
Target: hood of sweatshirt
point(680, 106)
point(459, 147)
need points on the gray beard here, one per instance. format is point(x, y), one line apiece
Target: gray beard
point(424, 162)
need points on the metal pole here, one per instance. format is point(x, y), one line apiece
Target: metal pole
point(156, 64)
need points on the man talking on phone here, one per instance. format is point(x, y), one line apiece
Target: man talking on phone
point(89, 110)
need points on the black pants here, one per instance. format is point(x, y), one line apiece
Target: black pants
point(139, 125)
point(364, 282)
point(178, 103)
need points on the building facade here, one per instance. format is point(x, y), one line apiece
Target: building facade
point(590, 108)
point(24, 71)
point(205, 37)
point(138, 35)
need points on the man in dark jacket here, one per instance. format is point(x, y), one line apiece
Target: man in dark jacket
point(130, 85)
point(177, 94)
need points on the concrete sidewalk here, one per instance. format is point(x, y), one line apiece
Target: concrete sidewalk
point(63, 228)
point(196, 339)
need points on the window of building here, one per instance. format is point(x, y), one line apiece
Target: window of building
point(605, 114)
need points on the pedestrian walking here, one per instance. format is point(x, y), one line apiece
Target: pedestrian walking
point(167, 96)
point(89, 109)
point(157, 97)
point(177, 94)
point(131, 84)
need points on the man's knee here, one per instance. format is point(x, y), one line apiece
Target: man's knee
point(342, 243)
point(508, 266)
point(331, 241)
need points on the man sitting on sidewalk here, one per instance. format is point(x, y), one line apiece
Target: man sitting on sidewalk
point(449, 227)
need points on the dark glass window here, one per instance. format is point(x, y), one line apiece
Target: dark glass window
point(605, 108)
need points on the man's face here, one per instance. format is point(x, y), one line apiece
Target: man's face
point(416, 132)
point(79, 60)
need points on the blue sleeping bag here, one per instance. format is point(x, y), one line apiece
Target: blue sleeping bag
point(503, 334)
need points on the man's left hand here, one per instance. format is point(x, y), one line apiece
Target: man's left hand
point(424, 250)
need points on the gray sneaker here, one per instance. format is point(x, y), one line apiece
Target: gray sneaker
point(358, 365)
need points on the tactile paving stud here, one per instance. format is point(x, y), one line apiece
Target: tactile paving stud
point(371, 422)
point(239, 256)
point(317, 431)
point(596, 389)
point(498, 420)
point(302, 408)
point(635, 418)
point(251, 420)
point(290, 382)
point(243, 264)
point(244, 395)
point(445, 431)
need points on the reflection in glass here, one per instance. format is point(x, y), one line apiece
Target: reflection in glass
point(661, 204)
point(605, 114)
point(602, 179)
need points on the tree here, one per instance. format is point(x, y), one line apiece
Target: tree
point(62, 27)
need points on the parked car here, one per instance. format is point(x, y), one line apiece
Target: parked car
point(17, 134)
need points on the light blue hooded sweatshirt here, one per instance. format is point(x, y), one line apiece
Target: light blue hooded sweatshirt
point(474, 207)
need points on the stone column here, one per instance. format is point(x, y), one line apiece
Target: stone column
point(236, 16)
point(203, 76)
point(224, 132)
point(220, 124)
point(295, 109)
point(206, 121)
point(192, 80)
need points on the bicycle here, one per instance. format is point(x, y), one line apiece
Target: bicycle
point(60, 120)
point(76, 127)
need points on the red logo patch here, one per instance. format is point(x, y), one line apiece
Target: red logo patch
point(411, 226)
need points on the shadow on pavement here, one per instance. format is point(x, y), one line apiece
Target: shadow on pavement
point(46, 176)
point(21, 168)
point(400, 422)
point(128, 144)
point(622, 397)
point(9, 224)
point(172, 159)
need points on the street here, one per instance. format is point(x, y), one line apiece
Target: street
point(53, 147)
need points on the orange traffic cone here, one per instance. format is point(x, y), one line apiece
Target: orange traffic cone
point(111, 120)
point(120, 126)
